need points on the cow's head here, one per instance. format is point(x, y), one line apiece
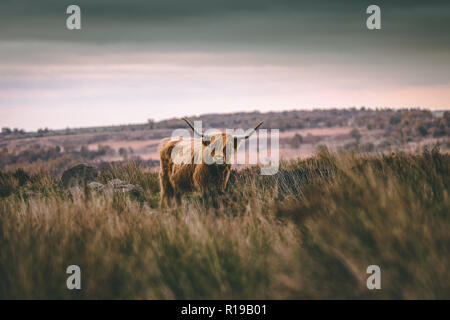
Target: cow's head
point(222, 143)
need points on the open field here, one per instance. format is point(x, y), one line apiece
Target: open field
point(309, 231)
point(301, 132)
point(355, 188)
point(228, 151)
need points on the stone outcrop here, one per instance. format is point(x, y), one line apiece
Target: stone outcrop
point(79, 175)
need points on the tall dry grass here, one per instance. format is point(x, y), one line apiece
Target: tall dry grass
point(308, 232)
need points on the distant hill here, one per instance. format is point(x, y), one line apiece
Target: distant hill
point(283, 120)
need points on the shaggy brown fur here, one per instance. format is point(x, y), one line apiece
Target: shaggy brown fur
point(207, 176)
point(178, 179)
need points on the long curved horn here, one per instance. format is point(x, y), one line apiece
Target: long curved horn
point(253, 131)
point(192, 127)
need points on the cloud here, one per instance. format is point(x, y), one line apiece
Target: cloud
point(162, 58)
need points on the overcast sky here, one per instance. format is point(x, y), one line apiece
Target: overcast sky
point(133, 60)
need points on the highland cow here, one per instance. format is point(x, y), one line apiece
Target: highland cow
point(204, 168)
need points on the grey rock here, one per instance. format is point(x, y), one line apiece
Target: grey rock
point(126, 187)
point(79, 175)
point(116, 183)
point(96, 186)
point(119, 185)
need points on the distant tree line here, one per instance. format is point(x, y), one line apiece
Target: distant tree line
point(36, 152)
point(402, 124)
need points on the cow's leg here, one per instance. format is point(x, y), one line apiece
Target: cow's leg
point(166, 190)
point(165, 200)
